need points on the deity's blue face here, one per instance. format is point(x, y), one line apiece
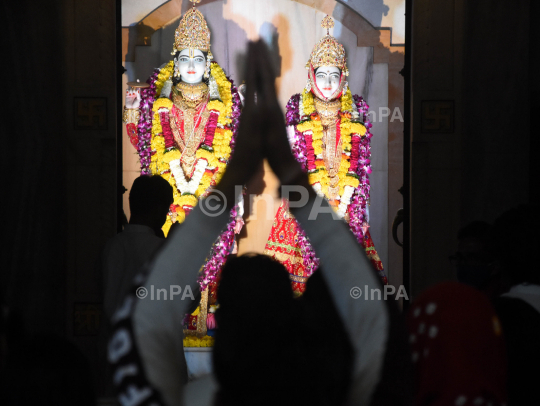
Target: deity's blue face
point(327, 79)
point(191, 68)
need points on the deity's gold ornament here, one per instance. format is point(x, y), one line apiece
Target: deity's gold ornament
point(190, 95)
point(332, 151)
point(328, 51)
point(192, 33)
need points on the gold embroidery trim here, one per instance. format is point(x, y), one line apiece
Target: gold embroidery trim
point(299, 279)
point(190, 95)
point(191, 139)
point(130, 116)
point(328, 111)
point(201, 318)
point(282, 257)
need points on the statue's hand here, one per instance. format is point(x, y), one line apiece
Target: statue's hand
point(133, 99)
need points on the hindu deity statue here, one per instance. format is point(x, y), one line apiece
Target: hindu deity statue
point(183, 124)
point(329, 134)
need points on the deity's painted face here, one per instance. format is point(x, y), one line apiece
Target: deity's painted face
point(191, 69)
point(327, 79)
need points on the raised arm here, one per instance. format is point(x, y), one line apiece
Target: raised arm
point(146, 349)
point(343, 262)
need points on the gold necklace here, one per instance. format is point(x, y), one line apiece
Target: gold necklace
point(328, 111)
point(188, 99)
point(190, 95)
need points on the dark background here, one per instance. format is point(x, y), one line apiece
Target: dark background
point(59, 203)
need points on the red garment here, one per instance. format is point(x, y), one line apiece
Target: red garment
point(371, 252)
point(132, 134)
point(283, 246)
point(457, 348)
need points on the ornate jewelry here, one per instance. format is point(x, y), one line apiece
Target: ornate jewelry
point(190, 95)
point(308, 85)
point(213, 89)
point(328, 111)
point(299, 279)
point(193, 136)
point(201, 318)
point(189, 99)
point(130, 116)
point(176, 67)
point(209, 58)
point(192, 32)
point(328, 51)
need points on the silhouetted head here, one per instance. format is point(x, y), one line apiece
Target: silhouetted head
point(149, 201)
point(50, 372)
point(515, 240)
point(266, 344)
point(328, 343)
point(478, 230)
point(473, 257)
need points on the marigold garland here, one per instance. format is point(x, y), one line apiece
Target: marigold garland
point(205, 183)
point(355, 135)
point(312, 127)
point(162, 102)
point(307, 104)
point(346, 102)
point(216, 149)
point(164, 75)
point(157, 149)
point(224, 87)
point(216, 155)
point(193, 341)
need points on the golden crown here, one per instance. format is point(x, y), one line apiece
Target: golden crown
point(192, 32)
point(328, 52)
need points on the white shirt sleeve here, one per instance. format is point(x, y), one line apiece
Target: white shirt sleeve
point(345, 267)
point(158, 323)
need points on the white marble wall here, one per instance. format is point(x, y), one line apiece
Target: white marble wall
point(292, 29)
point(378, 210)
point(380, 13)
point(134, 11)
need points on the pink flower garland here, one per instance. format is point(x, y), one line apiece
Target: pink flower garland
point(225, 242)
point(211, 125)
point(358, 208)
point(309, 258)
point(219, 253)
point(166, 129)
point(360, 165)
point(235, 113)
point(303, 152)
point(144, 127)
point(355, 153)
point(310, 152)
